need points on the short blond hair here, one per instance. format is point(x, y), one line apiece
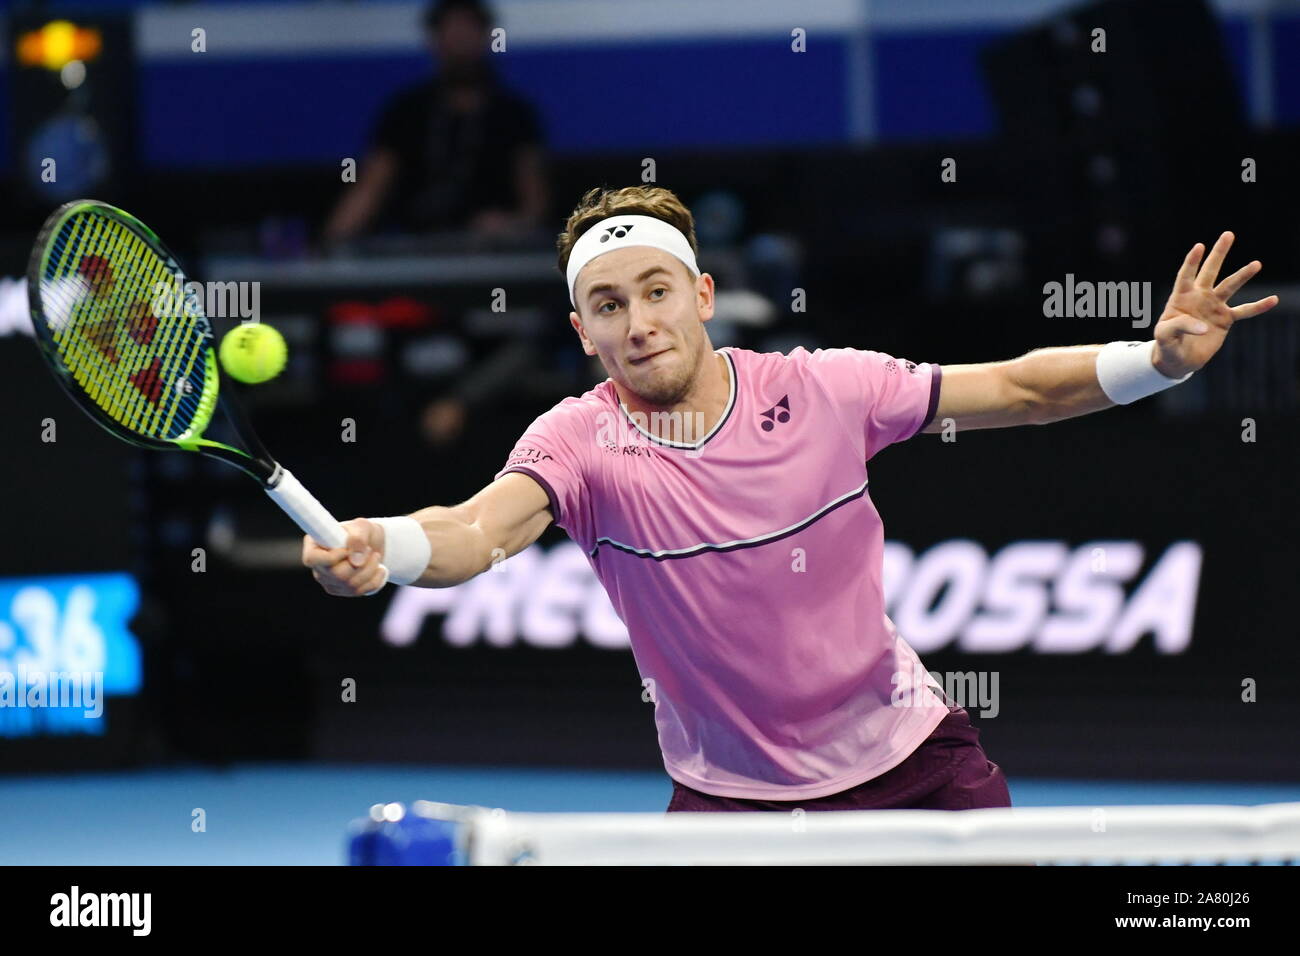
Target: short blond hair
point(599, 203)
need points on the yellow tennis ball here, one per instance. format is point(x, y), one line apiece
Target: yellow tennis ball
point(253, 353)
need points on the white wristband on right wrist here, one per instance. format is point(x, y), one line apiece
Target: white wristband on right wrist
point(1125, 372)
point(406, 549)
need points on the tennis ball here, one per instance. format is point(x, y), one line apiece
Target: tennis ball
point(253, 353)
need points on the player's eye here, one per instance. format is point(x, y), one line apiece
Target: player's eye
point(660, 289)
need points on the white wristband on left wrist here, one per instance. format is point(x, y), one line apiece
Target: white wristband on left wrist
point(1126, 372)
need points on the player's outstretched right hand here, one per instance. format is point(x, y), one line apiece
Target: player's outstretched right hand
point(354, 569)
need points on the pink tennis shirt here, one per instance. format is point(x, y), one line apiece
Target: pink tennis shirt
point(747, 563)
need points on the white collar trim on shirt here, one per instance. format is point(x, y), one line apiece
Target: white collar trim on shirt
point(722, 419)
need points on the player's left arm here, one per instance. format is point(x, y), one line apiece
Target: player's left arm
point(1052, 384)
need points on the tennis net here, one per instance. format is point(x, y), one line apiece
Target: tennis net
point(449, 834)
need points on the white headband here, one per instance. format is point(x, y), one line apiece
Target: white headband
point(618, 232)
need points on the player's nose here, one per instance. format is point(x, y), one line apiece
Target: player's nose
point(641, 324)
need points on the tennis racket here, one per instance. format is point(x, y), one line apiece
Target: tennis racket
point(134, 349)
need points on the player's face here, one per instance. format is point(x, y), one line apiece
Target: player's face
point(643, 314)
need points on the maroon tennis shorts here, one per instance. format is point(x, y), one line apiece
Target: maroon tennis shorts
point(949, 771)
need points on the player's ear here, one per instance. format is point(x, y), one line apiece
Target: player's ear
point(704, 296)
point(576, 321)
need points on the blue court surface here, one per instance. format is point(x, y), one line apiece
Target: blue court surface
point(277, 814)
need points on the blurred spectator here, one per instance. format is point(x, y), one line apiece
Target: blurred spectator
point(457, 151)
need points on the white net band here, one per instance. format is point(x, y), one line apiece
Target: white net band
point(1042, 835)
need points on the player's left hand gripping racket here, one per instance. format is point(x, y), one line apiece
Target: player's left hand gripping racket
point(138, 356)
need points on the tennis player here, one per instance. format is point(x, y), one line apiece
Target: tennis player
point(721, 497)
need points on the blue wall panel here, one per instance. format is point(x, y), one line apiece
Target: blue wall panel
point(929, 85)
point(233, 112)
point(1286, 59)
point(254, 111)
point(755, 93)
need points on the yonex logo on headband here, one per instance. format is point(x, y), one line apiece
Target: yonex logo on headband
point(616, 232)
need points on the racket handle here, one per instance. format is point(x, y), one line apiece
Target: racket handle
point(310, 515)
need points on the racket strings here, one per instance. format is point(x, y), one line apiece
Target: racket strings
point(126, 329)
point(128, 313)
point(94, 376)
point(85, 290)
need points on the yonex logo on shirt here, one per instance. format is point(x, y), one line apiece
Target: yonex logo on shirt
point(782, 415)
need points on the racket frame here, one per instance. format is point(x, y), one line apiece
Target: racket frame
point(255, 462)
point(282, 487)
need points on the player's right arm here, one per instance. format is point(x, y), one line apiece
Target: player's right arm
point(464, 540)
